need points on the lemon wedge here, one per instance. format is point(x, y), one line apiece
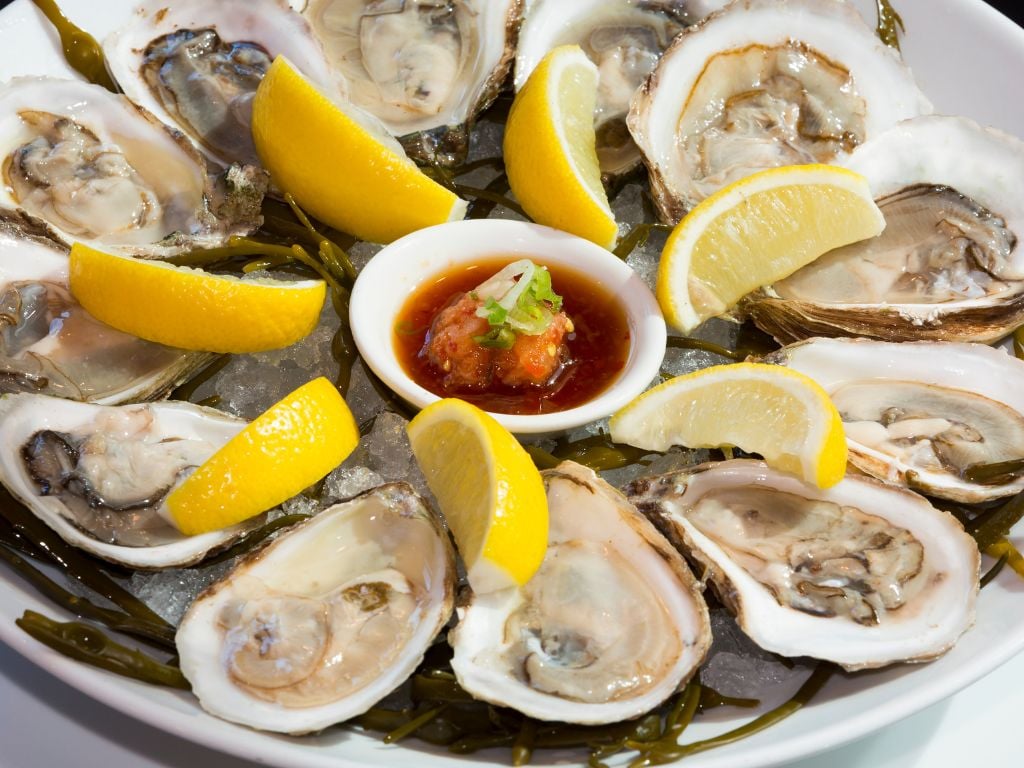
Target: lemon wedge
point(489, 490)
point(767, 409)
point(756, 231)
point(340, 164)
point(550, 148)
point(192, 309)
point(292, 445)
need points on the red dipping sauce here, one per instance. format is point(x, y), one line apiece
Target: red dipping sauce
point(598, 346)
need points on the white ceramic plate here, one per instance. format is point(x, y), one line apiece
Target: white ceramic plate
point(967, 58)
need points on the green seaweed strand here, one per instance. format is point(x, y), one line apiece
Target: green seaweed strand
point(80, 48)
point(85, 643)
point(890, 24)
point(157, 634)
point(71, 561)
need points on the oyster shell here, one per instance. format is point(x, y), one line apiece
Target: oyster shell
point(765, 83)
point(564, 646)
point(424, 68)
point(50, 345)
point(623, 38)
point(921, 413)
point(949, 265)
point(98, 169)
point(327, 620)
point(98, 475)
point(196, 65)
point(861, 574)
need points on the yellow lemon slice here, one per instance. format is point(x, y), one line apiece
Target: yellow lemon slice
point(550, 148)
point(292, 445)
point(192, 309)
point(776, 412)
point(340, 164)
point(759, 230)
point(489, 491)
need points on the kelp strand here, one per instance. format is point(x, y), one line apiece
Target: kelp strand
point(994, 571)
point(86, 643)
point(81, 50)
point(71, 561)
point(890, 24)
point(157, 634)
point(637, 237)
point(1013, 558)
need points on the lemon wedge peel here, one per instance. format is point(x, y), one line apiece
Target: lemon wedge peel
point(550, 148)
point(339, 164)
point(488, 489)
point(757, 231)
point(767, 409)
point(191, 309)
point(293, 444)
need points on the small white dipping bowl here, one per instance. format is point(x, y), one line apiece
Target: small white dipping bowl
point(399, 270)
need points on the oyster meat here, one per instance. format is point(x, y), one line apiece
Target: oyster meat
point(196, 65)
point(921, 413)
point(50, 345)
point(565, 646)
point(948, 266)
point(99, 475)
point(98, 169)
point(861, 574)
point(761, 84)
point(623, 38)
point(424, 68)
point(327, 620)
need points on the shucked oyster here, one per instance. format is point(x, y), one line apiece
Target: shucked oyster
point(327, 620)
point(949, 265)
point(761, 84)
point(50, 345)
point(424, 68)
point(609, 627)
point(624, 38)
point(97, 169)
point(99, 475)
point(921, 413)
point(196, 65)
point(861, 574)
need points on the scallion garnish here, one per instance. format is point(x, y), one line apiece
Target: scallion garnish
point(517, 300)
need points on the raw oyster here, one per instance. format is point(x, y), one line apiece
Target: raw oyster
point(98, 475)
point(424, 68)
point(325, 621)
point(862, 574)
point(948, 266)
point(566, 646)
point(196, 65)
point(624, 38)
point(761, 84)
point(920, 413)
point(98, 169)
point(50, 345)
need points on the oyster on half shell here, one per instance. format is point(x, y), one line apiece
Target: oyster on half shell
point(949, 265)
point(623, 38)
point(921, 413)
point(761, 84)
point(424, 68)
point(611, 625)
point(99, 475)
point(861, 574)
point(196, 65)
point(50, 345)
point(100, 170)
point(327, 620)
